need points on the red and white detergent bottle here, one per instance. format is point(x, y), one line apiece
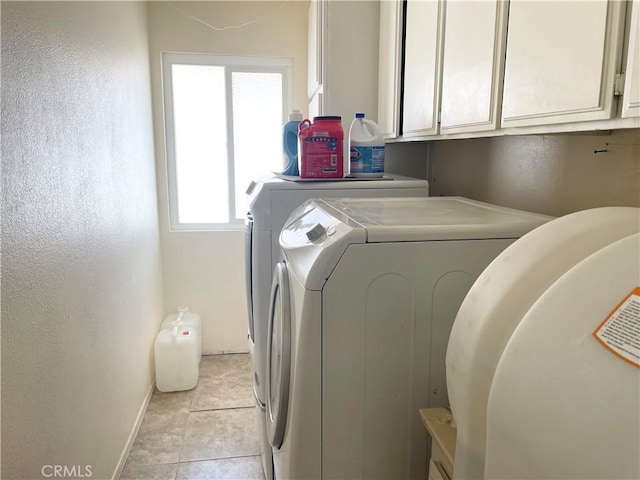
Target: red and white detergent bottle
point(320, 148)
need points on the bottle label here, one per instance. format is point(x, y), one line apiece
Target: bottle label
point(364, 159)
point(321, 156)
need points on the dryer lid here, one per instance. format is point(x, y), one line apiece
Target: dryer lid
point(434, 218)
point(264, 193)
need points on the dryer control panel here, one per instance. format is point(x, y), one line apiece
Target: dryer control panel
point(314, 239)
point(311, 224)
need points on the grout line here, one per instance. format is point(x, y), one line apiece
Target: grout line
point(217, 459)
point(222, 409)
point(184, 434)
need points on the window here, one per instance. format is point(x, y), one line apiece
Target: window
point(223, 121)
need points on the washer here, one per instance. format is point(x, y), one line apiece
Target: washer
point(361, 310)
point(271, 200)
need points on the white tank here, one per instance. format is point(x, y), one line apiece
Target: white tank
point(565, 398)
point(497, 302)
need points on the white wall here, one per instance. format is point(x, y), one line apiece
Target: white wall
point(205, 270)
point(81, 272)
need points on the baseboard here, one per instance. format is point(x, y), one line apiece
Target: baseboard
point(224, 352)
point(134, 432)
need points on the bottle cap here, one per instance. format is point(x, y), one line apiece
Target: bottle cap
point(295, 115)
point(359, 115)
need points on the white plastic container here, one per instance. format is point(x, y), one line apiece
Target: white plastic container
point(184, 318)
point(176, 360)
point(366, 148)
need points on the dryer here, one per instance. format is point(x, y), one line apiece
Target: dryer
point(271, 200)
point(361, 310)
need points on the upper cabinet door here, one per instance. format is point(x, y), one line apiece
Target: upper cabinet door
point(472, 72)
point(423, 52)
point(389, 53)
point(315, 47)
point(631, 97)
point(561, 61)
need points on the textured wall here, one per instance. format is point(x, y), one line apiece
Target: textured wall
point(409, 158)
point(81, 272)
point(550, 174)
point(205, 270)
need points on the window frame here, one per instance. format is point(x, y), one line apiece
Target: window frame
point(231, 64)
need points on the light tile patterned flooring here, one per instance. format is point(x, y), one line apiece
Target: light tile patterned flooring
point(209, 432)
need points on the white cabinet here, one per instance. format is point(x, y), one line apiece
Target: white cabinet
point(453, 75)
point(631, 96)
point(472, 71)
point(423, 53)
point(528, 66)
point(343, 58)
point(390, 53)
point(561, 61)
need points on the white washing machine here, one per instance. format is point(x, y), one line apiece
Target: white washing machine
point(271, 201)
point(534, 393)
point(361, 311)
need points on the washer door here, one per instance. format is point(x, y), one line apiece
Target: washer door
point(278, 356)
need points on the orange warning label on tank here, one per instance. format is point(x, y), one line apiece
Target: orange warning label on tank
point(620, 330)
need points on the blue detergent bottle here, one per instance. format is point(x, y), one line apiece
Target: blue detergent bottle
point(290, 143)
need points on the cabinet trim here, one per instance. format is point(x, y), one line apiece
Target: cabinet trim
point(588, 128)
point(437, 75)
point(631, 106)
point(390, 58)
point(315, 47)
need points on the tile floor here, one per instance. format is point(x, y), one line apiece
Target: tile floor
point(209, 432)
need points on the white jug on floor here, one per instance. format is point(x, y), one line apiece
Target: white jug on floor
point(184, 318)
point(176, 360)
